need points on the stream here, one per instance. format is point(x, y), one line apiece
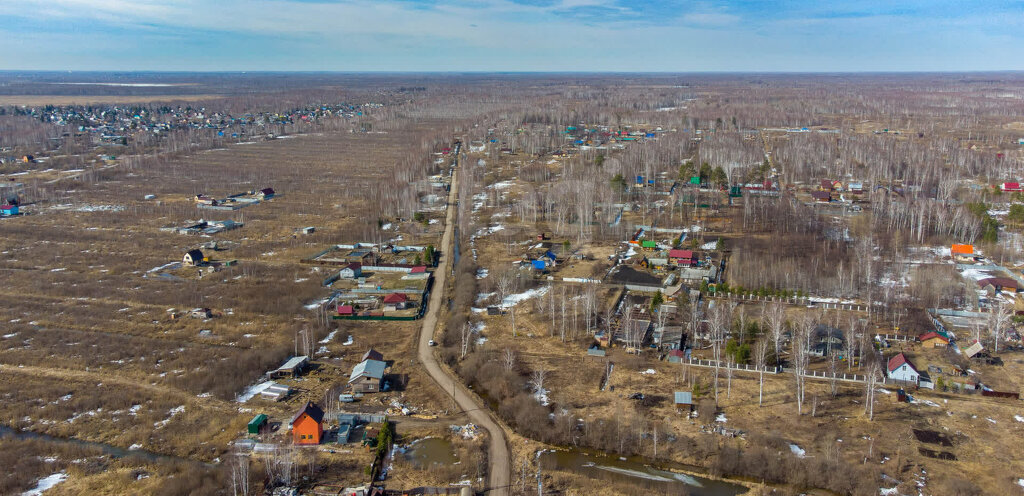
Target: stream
point(107, 449)
point(634, 471)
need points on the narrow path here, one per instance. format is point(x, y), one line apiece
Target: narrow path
point(499, 460)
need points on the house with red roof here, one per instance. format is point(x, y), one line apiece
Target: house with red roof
point(1010, 187)
point(346, 310)
point(682, 258)
point(933, 339)
point(396, 301)
point(900, 368)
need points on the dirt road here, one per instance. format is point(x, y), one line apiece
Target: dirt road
point(499, 461)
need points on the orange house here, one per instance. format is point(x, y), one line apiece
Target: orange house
point(307, 425)
point(962, 251)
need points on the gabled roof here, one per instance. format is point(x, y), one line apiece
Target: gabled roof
point(345, 309)
point(396, 298)
point(932, 335)
point(312, 410)
point(962, 249)
point(998, 282)
point(195, 254)
point(354, 266)
point(898, 360)
point(372, 354)
point(680, 253)
point(368, 368)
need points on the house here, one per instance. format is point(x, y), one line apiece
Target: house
point(682, 258)
point(258, 424)
point(962, 252)
point(351, 271)
point(667, 337)
point(266, 193)
point(676, 356)
point(366, 376)
point(900, 368)
point(346, 310)
point(307, 425)
point(855, 187)
point(997, 285)
point(821, 196)
point(648, 244)
point(1010, 187)
point(684, 400)
point(8, 210)
point(396, 301)
point(193, 257)
point(933, 339)
point(825, 185)
point(373, 354)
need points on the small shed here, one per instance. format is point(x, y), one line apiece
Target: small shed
point(933, 339)
point(292, 367)
point(258, 424)
point(684, 400)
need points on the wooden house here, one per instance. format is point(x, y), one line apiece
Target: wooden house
point(193, 257)
point(933, 339)
point(900, 368)
point(307, 425)
point(367, 376)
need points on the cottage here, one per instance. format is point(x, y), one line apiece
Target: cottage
point(396, 301)
point(963, 253)
point(265, 193)
point(682, 258)
point(900, 368)
point(367, 376)
point(933, 339)
point(193, 258)
point(307, 425)
point(684, 400)
point(351, 271)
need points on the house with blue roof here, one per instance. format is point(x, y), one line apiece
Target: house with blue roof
point(367, 376)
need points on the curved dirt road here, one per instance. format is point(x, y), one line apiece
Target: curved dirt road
point(499, 461)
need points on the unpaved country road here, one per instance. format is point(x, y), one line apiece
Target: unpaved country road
point(499, 461)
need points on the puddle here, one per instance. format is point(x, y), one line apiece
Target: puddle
point(431, 451)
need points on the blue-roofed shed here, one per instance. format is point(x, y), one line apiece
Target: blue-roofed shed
point(539, 264)
point(684, 399)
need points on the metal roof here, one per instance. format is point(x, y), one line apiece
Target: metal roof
point(368, 368)
point(294, 362)
point(684, 398)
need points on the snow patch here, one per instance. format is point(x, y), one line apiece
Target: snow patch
point(46, 483)
point(798, 451)
point(513, 300)
point(329, 337)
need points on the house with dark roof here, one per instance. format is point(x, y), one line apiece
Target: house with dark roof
point(373, 354)
point(307, 425)
point(193, 257)
point(996, 285)
point(351, 271)
point(821, 196)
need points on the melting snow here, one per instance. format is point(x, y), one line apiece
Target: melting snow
point(721, 418)
point(348, 342)
point(513, 300)
point(329, 337)
point(46, 483)
point(798, 451)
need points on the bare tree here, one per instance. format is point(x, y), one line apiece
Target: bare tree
point(466, 334)
point(999, 318)
point(775, 317)
point(508, 359)
point(760, 359)
point(240, 474)
point(870, 386)
point(801, 356)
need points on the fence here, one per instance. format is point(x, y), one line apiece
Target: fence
point(803, 301)
point(777, 370)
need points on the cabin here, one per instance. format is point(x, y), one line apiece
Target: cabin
point(367, 376)
point(684, 401)
point(307, 425)
point(265, 193)
point(351, 271)
point(900, 368)
point(193, 258)
point(933, 339)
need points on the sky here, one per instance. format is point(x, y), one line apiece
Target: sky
point(512, 35)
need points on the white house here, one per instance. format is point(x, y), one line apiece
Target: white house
point(900, 368)
point(351, 271)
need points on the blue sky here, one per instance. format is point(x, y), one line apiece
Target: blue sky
point(512, 35)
